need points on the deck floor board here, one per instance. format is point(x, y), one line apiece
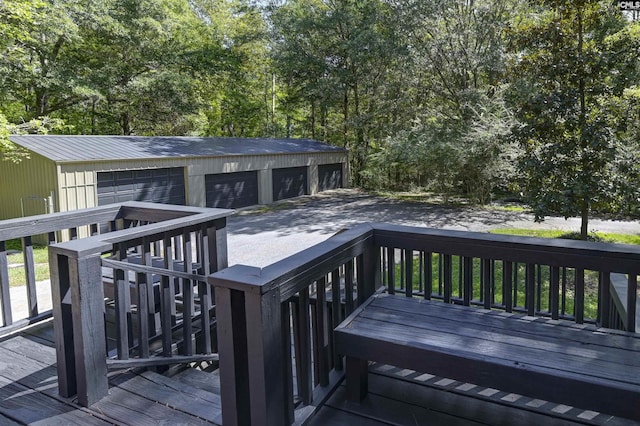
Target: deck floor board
point(28, 395)
point(29, 392)
point(399, 399)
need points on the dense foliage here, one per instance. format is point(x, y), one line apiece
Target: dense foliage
point(479, 97)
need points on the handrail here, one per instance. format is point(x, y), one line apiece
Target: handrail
point(161, 236)
point(27, 229)
point(257, 306)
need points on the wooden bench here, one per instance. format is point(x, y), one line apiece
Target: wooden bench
point(557, 361)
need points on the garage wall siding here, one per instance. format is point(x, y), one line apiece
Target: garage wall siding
point(32, 179)
point(78, 180)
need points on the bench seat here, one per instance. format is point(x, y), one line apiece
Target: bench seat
point(558, 361)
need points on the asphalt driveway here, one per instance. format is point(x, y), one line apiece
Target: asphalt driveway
point(259, 236)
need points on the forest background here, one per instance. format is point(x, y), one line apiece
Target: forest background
point(538, 100)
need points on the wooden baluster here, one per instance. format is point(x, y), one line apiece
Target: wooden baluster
point(30, 274)
point(507, 285)
point(384, 258)
point(554, 284)
point(493, 282)
point(336, 311)
point(122, 306)
point(304, 342)
point(440, 274)
point(604, 299)
point(421, 272)
point(5, 293)
point(538, 288)
point(578, 304)
point(467, 272)
point(187, 295)
point(530, 289)
point(408, 257)
point(391, 271)
point(447, 272)
point(348, 287)
point(516, 283)
point(563, 300)
point(428, 275)
point(167, 297)
point(321, 333)
point(632, 299)
point(403, 272)
point(487, 283)
point(147, 259)
point(143, 314)
point(460, 277)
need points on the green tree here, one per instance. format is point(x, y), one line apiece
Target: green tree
point(454, 81)
point(569, 72)
point(238, 89)
point(337, 60)
point(37, 77)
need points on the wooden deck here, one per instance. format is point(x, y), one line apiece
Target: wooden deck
point(29, 395)
point(409, 398)
point(29, 391)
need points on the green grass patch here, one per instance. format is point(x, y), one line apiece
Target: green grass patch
point(17, 273)
point(18, 277)
point(510, 208)
point(434, 284)
point(423, 197)
point(606, 237)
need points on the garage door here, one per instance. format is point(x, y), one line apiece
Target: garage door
point(329, 176)
point(232, 190)
point(155, 185)
point(290, 182)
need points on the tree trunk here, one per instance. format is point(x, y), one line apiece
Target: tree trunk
point(584, 231)
point(584, 226)
point(125, 122)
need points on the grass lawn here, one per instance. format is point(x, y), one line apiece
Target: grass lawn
point(543, 233)
point(17, 275)
point(541, 276)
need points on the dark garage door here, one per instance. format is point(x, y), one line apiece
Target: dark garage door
point(156, 185)
point(290, 182)
point(329, 176)
point(232, 190)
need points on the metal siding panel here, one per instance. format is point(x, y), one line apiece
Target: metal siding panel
point(34, 177)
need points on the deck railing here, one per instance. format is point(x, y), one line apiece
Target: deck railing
point(137, 296)
point(263, 312)
point(23, 232)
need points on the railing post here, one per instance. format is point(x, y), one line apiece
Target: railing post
point(78, 312)
point(250, 336)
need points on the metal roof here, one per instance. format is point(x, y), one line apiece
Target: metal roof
point(64, 148)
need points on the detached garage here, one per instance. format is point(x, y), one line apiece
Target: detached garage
point(72, 172)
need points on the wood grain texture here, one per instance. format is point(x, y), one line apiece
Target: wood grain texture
point(587, 369)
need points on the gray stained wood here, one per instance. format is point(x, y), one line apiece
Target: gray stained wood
point(580, 365)
point(395, 400)
point(29, 391)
